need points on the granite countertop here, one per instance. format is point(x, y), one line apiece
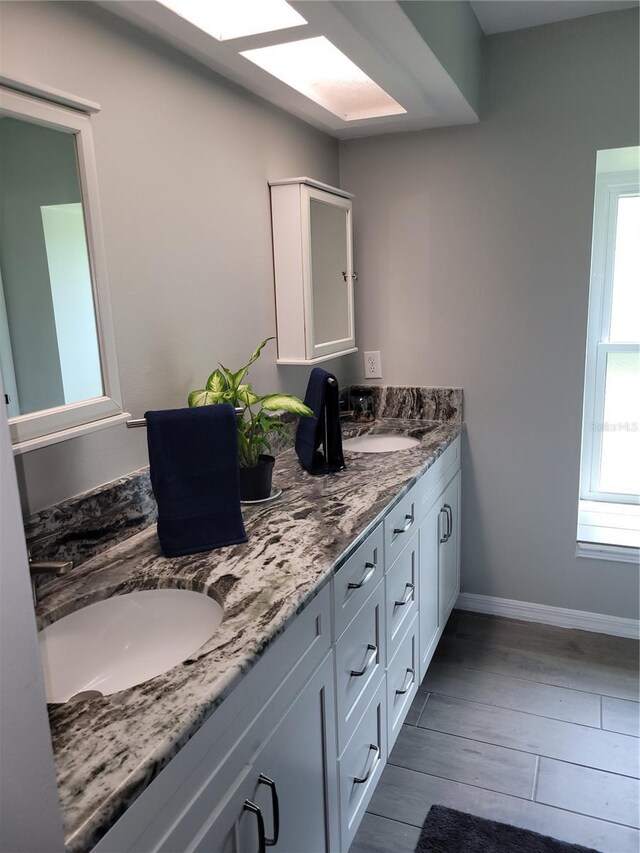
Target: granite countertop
point(108, 750)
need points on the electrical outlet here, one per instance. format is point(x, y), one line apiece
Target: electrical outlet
point(372, 365)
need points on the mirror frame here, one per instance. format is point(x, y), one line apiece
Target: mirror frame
point(49, 426)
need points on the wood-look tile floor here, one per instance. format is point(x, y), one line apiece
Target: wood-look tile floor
point(523, 723)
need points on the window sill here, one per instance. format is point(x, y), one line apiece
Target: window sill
point(608, 531)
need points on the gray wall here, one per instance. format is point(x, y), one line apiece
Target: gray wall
point(184, 159)
point(472, 247)
point(37, 167)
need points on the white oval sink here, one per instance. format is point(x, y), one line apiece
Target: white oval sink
point(124, 640)
point(379, 443)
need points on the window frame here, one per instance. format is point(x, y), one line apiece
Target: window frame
point(610, 187)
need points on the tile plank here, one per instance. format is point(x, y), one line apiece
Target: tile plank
point(413, 714)
point(538, 735)
point(462, 760)
point(609, 679)
point(621, 715)
point(567, 643)
point(591, 792)
point(381, 835)
point(517, 694)
point(407, 796)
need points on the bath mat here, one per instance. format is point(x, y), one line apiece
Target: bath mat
point(450, 831)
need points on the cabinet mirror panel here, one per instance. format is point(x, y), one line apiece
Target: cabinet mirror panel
point(57, 353)
point(330, 265)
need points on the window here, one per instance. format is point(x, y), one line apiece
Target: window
point(610, 472)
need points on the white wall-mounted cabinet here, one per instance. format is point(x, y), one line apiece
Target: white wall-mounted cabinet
point(313, 268)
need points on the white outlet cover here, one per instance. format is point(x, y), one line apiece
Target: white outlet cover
point(372, 365)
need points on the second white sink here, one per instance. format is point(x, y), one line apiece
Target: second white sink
point(124, 640)
point(381, 443)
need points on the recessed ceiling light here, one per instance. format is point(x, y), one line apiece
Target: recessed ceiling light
point(231, 19)
point(317, 69)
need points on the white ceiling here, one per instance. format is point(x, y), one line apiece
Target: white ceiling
point(375, 34)
point(499, 16)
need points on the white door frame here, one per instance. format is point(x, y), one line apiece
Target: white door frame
point(30, 817)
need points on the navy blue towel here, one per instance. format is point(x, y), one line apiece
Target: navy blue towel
point(193, 456)
point(323, 396)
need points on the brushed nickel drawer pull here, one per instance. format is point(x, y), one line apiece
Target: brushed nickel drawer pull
point(254, 809)
point(408, 521)
point(444, 536)
point(449, 512)
point(407, 685)
point(358, 780)
point(407, 596)
point(370, 570)
point(369, 662)
point(275, 808)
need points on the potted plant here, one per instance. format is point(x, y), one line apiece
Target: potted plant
point(255, 424)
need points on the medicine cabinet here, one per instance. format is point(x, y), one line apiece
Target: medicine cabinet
point(313, 266)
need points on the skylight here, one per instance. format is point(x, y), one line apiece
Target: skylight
point(316, 68)
point(231, 19)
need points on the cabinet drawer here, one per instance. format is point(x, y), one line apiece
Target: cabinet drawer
point(356, 580)
point(433, 481)
point(402, 582)
point(362, 763)
point(399, 524)
point(360, 658)
point(402, 682)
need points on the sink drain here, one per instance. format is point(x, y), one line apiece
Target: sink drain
point(85, 694)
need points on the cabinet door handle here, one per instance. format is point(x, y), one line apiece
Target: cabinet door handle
point(371, 659)
point(408, 521)
point(407, 685)
point(275, 808)
point(407, 596)
point(358, 780)
point(449, 512)
point(253, 808)
point(370, 570)
point(443, 538)
point(345, 275)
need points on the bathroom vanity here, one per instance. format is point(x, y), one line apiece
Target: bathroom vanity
point(279, 726)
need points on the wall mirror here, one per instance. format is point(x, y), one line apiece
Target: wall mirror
point(57, 351)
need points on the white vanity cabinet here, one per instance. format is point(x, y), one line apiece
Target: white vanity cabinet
point(293, 755)
point(313, 268)
point(439, 549)
point(279, 801)
point(280, 722)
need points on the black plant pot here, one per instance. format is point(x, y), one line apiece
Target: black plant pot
point(255, 483)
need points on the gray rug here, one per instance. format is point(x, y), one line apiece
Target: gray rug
point(449, 831)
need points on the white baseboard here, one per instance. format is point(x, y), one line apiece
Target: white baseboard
point(562, 617)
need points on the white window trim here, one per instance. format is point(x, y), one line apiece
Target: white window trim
point(609, 188)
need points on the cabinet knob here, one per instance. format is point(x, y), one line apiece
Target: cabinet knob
point(345, 275)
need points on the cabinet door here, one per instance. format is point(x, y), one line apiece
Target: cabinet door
point(449, 556)
point(330, 299)
point(430, 535)
point(296, 769)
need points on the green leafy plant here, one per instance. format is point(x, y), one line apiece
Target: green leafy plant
point(255, 424)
